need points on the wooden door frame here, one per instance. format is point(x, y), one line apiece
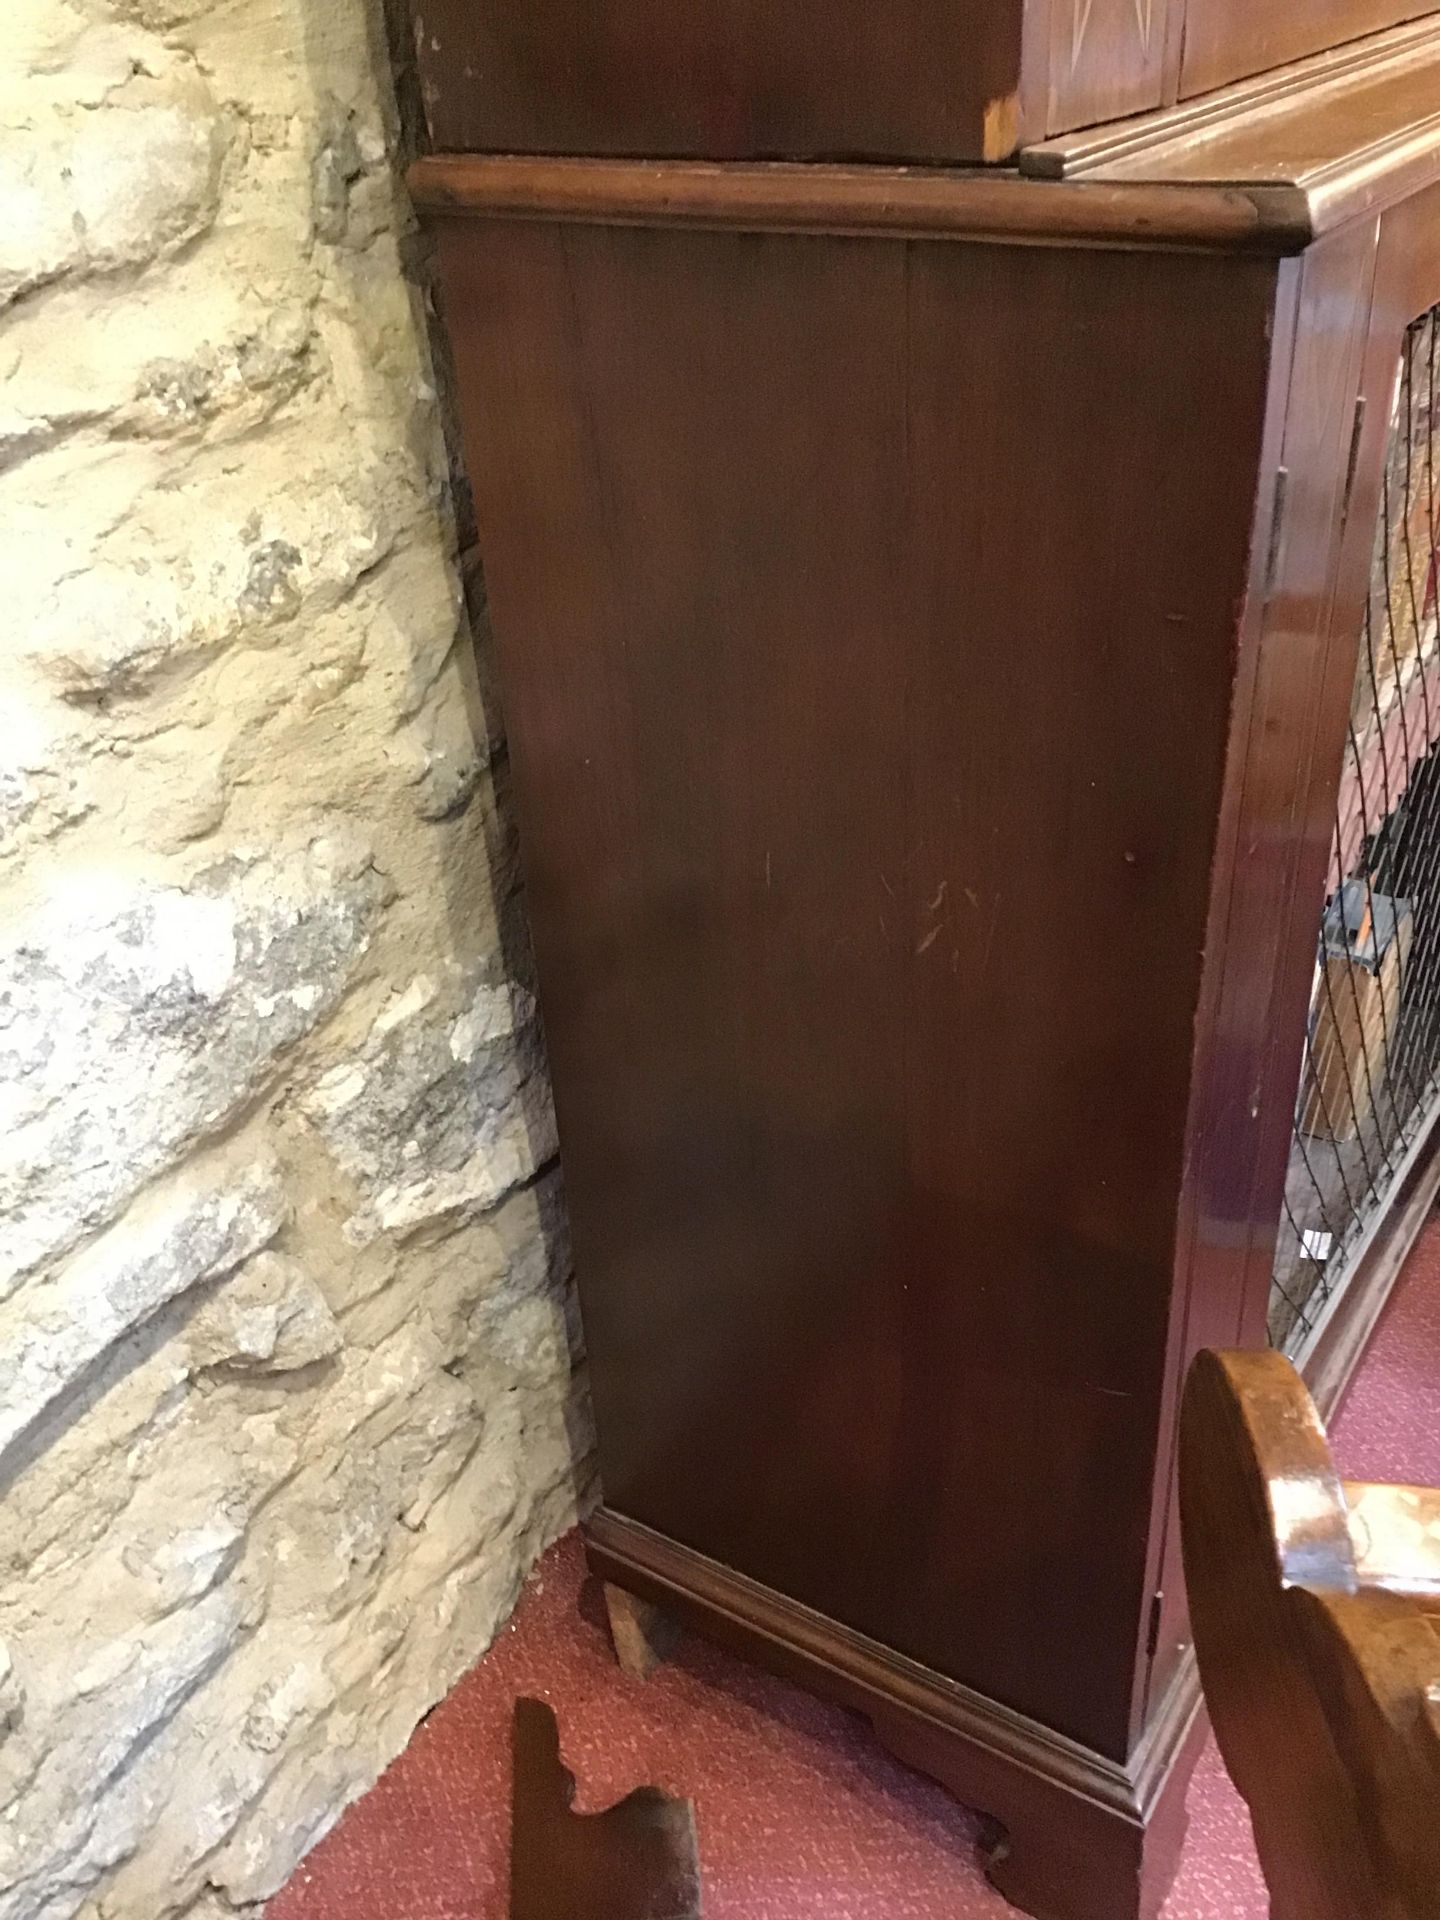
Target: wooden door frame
point(1350, 299)
point(1407, 285)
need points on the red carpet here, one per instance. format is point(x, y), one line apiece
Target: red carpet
point(801, 1816)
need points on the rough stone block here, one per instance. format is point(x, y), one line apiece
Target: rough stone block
point(289, 1385)
point(270, 1318)
point(111, 176)
point(54, 1329)
point(135, 1019)
point(441, 1110)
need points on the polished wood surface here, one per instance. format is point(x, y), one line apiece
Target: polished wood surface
point(1354, 294)
point(1312, 615)
point(933, 81)
point(863, 200)
point(1318, 1632)
point(635, 1861)
point(1342, 137)
point(1073, 154)
point(1069, 1833)
point(927, 604)
point(1266, 168)
point(1395, 1536)
point(1402, 282)
point(936, 81)
point(848, 889)
point(725, 79)
point(1226, 39)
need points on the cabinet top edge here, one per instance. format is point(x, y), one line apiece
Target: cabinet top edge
point(1346, 132)
point(975, 204)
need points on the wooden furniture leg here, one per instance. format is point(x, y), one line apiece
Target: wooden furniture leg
point(635, 1861)
point(1051, 1853)
point(643, 1635)
point(1068, 1833)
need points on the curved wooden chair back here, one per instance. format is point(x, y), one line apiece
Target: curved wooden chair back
point(1315, 1606)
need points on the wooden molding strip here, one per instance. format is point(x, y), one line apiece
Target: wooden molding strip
point(1071, 156)
point(916, 203)
point(860, 1672)
point(1374, 177)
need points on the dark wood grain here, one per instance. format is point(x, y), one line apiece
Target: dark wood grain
point(635, 1861)
point(1296, 85)
point(1300, 86)
point(847, 889)
point(1406, 281)
point(935, 82)
point(1316, 1626)
point(1294, 740)
point(723, 79)
point(927, 606)
point(1356, 293)
point(1346, 352)
point(1069, 1833)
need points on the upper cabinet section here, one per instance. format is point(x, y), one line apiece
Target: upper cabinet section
point(916, 80)
point(924, 80)
point(1227, 40)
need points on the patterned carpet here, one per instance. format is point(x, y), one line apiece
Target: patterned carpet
point(801, 1816)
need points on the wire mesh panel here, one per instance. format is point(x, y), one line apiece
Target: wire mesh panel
point(1371, 1074)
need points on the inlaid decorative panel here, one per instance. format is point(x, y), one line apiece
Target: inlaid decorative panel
point(1106, 60)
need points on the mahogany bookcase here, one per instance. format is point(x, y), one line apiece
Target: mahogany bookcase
point(969, 703)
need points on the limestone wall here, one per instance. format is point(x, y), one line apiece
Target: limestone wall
point(286, 1393)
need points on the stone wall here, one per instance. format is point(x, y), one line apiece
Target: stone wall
point(287, 1396)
